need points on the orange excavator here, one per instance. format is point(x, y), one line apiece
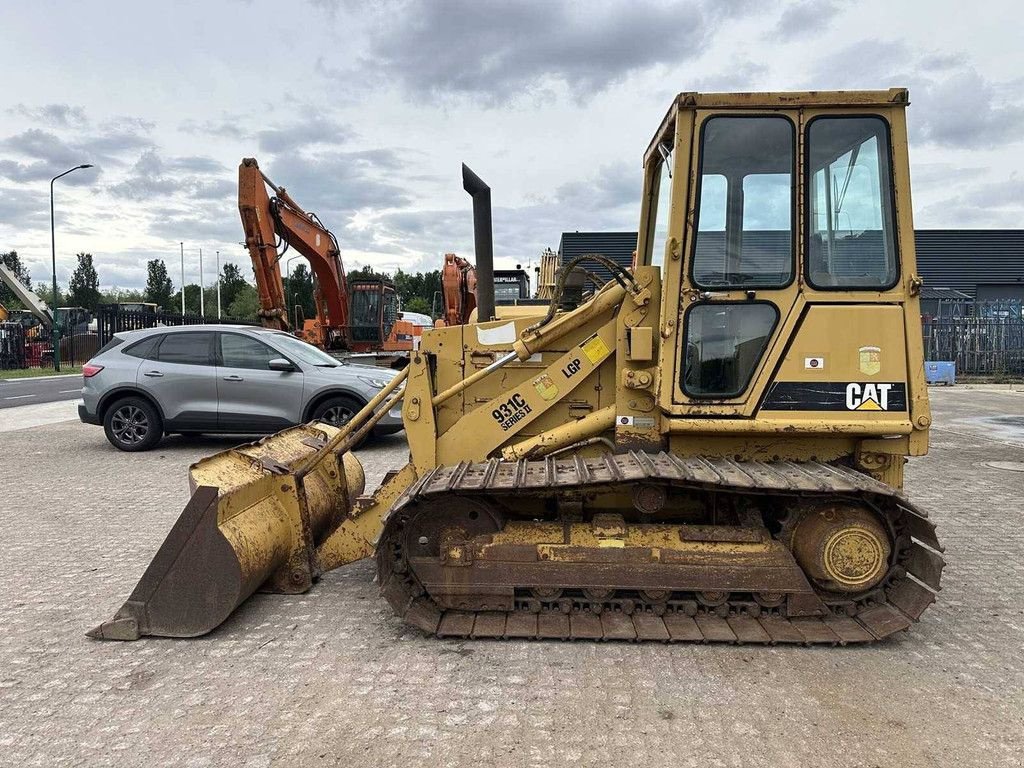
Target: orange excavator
point(361, 316)
point(458, 288)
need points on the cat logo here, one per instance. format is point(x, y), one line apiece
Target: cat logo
point(870, 360)
point(867, 397)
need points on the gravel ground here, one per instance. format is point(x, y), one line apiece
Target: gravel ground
point(332, 678)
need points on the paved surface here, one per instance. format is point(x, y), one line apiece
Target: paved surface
point(41, 389)
point(332, 678)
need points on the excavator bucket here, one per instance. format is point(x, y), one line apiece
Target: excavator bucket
point(256, 515)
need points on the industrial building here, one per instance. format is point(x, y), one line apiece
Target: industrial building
point(959, 266)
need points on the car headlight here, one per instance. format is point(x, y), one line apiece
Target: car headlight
point(374, 381)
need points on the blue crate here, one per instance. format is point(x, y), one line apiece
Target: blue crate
point(940, 372)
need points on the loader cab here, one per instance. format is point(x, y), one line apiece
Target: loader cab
point(372, 314)
point(784, 259)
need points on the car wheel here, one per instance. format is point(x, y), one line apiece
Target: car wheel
point(337, 411)
point(132, 424)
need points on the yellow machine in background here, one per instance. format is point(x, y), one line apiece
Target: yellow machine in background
point(709, 449)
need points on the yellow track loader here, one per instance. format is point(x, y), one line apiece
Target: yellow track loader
point(711, 448)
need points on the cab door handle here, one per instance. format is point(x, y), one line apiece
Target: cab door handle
point(233, 378)
point(153, 374)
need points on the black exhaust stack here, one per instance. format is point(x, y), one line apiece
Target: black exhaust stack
point(483, 243)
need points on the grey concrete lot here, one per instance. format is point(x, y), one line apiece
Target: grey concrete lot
point(332, 678)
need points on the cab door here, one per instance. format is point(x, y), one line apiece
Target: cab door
point(740, 283)
point(252, 398)
point(178, 373)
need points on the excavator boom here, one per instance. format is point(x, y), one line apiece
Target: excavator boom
point(266, 219)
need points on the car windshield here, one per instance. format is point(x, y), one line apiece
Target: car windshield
point(301, 351)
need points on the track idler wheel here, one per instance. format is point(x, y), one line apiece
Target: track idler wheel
point(844, 548)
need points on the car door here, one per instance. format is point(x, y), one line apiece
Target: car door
point(251, 397)
point(180, 376)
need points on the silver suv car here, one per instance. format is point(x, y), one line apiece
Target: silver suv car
point(220, 378)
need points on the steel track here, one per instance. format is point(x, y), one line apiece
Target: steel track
point(908, 589)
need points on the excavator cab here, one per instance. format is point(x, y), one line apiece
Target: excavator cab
point(373, 312)
point(710, 448)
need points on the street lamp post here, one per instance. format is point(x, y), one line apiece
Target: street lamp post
point(218, 285)
point(288, 279)
point(55, 335)
point(183, 280)
point(202, 288)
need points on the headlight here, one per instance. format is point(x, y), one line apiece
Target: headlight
point(374, 381)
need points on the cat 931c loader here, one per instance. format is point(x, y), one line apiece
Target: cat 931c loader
point(711, 448)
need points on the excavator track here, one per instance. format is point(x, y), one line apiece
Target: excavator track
point(453, 497)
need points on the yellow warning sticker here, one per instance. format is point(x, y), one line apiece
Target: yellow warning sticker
point(595, 349)
point(545, 387)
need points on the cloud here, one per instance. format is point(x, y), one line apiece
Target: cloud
point(60, 115)
point(315, 130)
point(337, 183)
point(988, 113)
point(609, 200)
point(23, 207)
point(44, 153)
point(978, 204)
point(496, 52)
point(152, 177)
point(227, 128)
point(805, 17)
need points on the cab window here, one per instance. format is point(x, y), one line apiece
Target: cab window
point(186, 348)
point(724, 342)
point(850, 238)
point(238, 351)
point(660, 207)
point(745, 204)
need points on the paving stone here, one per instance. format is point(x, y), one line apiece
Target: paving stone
point(331, 677)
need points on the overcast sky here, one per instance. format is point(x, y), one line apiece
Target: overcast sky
point(365, 112)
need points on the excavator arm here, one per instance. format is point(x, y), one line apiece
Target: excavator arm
point(266, 218)
point(458, 285)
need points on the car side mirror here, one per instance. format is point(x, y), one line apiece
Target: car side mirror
point(280, 364)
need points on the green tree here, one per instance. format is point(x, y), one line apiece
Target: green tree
point(299, 286)
point(12, 261)
point(85, 284)
point(417, 290)
point(245, 305)
point(231, 282)
point(417, 304)
point(45, 292)
point(191, 301)
point(366, 273)
point(122, 296)
point(159, 287)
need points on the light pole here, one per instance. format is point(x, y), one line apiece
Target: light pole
point(202, 288)
point(288, 282)
point(55, 334)
point(218, 285)
point(183, 281)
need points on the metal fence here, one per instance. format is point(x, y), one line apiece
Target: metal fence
point(12, 346)
point(984, 345)
point(26, 346)
point(114, 319)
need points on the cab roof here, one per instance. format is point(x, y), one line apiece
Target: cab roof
point(692, 100)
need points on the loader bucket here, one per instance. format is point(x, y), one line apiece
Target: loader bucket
point(252, 523)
